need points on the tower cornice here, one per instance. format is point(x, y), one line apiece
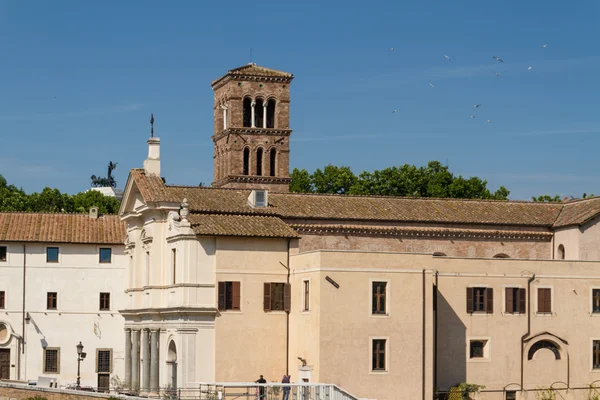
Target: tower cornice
point(252, 131)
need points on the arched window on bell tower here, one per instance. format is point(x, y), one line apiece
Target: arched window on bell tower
point(259, 161)
point(246, 166)
point(259, 113)
point(247, 112)
point(271, 113)
point(273, 163)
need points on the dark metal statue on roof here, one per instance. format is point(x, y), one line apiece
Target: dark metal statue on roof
point(109, 181)
point(152, 125)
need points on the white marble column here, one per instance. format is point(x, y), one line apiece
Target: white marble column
point(145, 361)
point(253, 113)
point(154, 360)
point(135, 359)
point(128, 358)
point(265, 114)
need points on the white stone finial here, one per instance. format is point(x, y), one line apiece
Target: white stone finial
point(185, 210)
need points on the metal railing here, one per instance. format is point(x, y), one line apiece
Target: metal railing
point(272, 391)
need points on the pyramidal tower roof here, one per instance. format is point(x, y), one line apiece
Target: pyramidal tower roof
point(254, 72)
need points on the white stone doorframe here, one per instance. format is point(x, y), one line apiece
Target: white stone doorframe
point(9, 340)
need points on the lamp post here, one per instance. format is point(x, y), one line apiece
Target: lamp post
point(80, 357)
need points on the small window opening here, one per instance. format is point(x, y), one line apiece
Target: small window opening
point(561, 252)
point(511, 395)
point(259, 160)
point(174, 262)
point(378, 302)
point(476, 349)
point(501, 255)
point(596, 354)
point(247, 112)
point(596, 301)
point(3, 253)
point(378, 362)
point(271, 113)
point(246, 161)
point(273, 162)
point(258, 113)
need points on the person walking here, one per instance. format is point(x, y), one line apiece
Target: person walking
point(286, 389)
point(261, 389)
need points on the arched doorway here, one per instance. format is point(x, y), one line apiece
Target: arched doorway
point(172, 362)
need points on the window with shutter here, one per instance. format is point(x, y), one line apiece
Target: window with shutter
point(229, 296)
point(267, 297)
point(480, 299)
point(287, 297)
point(277, 296)
point(544, 300)
point(514, 300)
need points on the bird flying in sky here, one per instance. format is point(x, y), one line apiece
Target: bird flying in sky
point(431, 84)
point(447, 57)
point(476, 105)
point(498, 59)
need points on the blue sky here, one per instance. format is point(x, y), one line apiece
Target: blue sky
point(78, 81)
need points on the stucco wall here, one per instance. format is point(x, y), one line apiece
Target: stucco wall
point(251, 342)
point(78, 278)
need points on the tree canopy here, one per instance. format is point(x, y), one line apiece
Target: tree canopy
point(433, 180)
point(52, 200)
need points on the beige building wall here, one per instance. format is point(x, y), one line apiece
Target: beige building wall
point(251, 342)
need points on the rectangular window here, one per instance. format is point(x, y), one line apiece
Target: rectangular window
point(174, 264)
point(229, 296)
point(306, 296)
point(52, 254)
point(147, 277)
point(51, 300)
point(104, 301)
point(514, 299)
point(544, 300)
point(3, 253)
point(105, 256)
point(277, 297)
point(104, 361)
point(379, 354)
point(476, 348)
point(51, 360)
point(596, 354)
point(2, 299)
point(596, 301)
point(378, 294)
point(480, 300)
point(511, 395)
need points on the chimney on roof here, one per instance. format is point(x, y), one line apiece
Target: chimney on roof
point(152, 163)
point(94, 212)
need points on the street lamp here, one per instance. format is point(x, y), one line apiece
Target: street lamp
point(80, 357)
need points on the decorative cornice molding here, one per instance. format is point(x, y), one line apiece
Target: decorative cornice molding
point(251, 131)
point(252, 179)
point(419, 232)
point(249, 78)
point(169, 310)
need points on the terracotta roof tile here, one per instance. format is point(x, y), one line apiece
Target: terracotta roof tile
point(578, 212)
point(61, 228)
point(240, 225)
point(253, 70)
point(292, 206)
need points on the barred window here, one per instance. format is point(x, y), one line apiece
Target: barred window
point(104, 361)
point(2, 299)
point(52, 360)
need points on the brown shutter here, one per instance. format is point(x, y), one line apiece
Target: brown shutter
point(508, 297)
point(267, 298)
point(489, 294)
point(235, 289)
point(221, 295)
point(522, 294)
point(470, 300)
point(287, 297)
point(544, 300)
point(548, 298)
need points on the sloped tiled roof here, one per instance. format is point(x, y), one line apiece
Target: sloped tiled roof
point(61, 228)
point(372, 208)
point(578, 212)
point(253, 70)
point(240, 225)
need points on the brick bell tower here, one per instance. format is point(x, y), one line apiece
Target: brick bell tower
point(252, 132)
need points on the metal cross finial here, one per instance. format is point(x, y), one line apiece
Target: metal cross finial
point(152, 125)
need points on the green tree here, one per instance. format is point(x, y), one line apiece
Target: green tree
point(300, 181)
point(332, 179)
point(83, 201)
point(547, 199)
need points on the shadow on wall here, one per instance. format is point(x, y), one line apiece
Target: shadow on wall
point(451, 346)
